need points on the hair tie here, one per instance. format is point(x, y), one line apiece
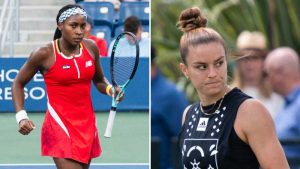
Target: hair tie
point(70, 12)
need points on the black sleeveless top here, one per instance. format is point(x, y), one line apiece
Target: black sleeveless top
point(210, 141)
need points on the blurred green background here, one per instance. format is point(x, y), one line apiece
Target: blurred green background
point(277, 19)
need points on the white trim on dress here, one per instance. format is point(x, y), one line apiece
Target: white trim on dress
point(57, 119)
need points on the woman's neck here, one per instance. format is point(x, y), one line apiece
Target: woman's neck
point(67, 48)
point(211, 99)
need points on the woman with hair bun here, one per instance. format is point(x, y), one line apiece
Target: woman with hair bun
point(226, 129)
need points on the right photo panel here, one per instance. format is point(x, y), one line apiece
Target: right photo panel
point(225, 84)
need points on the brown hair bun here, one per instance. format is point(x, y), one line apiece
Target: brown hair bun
point(191, 19)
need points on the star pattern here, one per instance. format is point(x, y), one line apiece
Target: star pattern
point(218, 122)
point(215, 124)
point(195, 164)
point(210, 167)
point(191, 123)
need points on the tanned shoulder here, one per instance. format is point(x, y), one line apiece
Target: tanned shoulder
point(42, 57)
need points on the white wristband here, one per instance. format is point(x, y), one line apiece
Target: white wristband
point(21, 115)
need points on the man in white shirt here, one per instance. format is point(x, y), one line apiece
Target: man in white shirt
point(133, 24)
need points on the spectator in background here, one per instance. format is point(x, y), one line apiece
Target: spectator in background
point(101, 43)
point(283, 70)
point(115, 2)
point(133, 24)
point(249, 76)
point(167, 106)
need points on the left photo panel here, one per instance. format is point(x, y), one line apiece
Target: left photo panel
point(74, 84)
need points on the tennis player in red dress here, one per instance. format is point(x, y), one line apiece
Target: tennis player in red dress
point(69, 64)
point(70, 121)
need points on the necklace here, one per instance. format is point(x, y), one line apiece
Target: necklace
point(217, 110)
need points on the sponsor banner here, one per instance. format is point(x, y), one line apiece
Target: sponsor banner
point(136, 96)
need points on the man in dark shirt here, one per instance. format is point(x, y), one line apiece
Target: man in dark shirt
point(167, 105)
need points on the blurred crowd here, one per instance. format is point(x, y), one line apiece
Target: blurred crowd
point(131, 24)
point(115, 2)
point(273, 77)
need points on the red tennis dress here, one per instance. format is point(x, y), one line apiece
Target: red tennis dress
point(69, 129)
